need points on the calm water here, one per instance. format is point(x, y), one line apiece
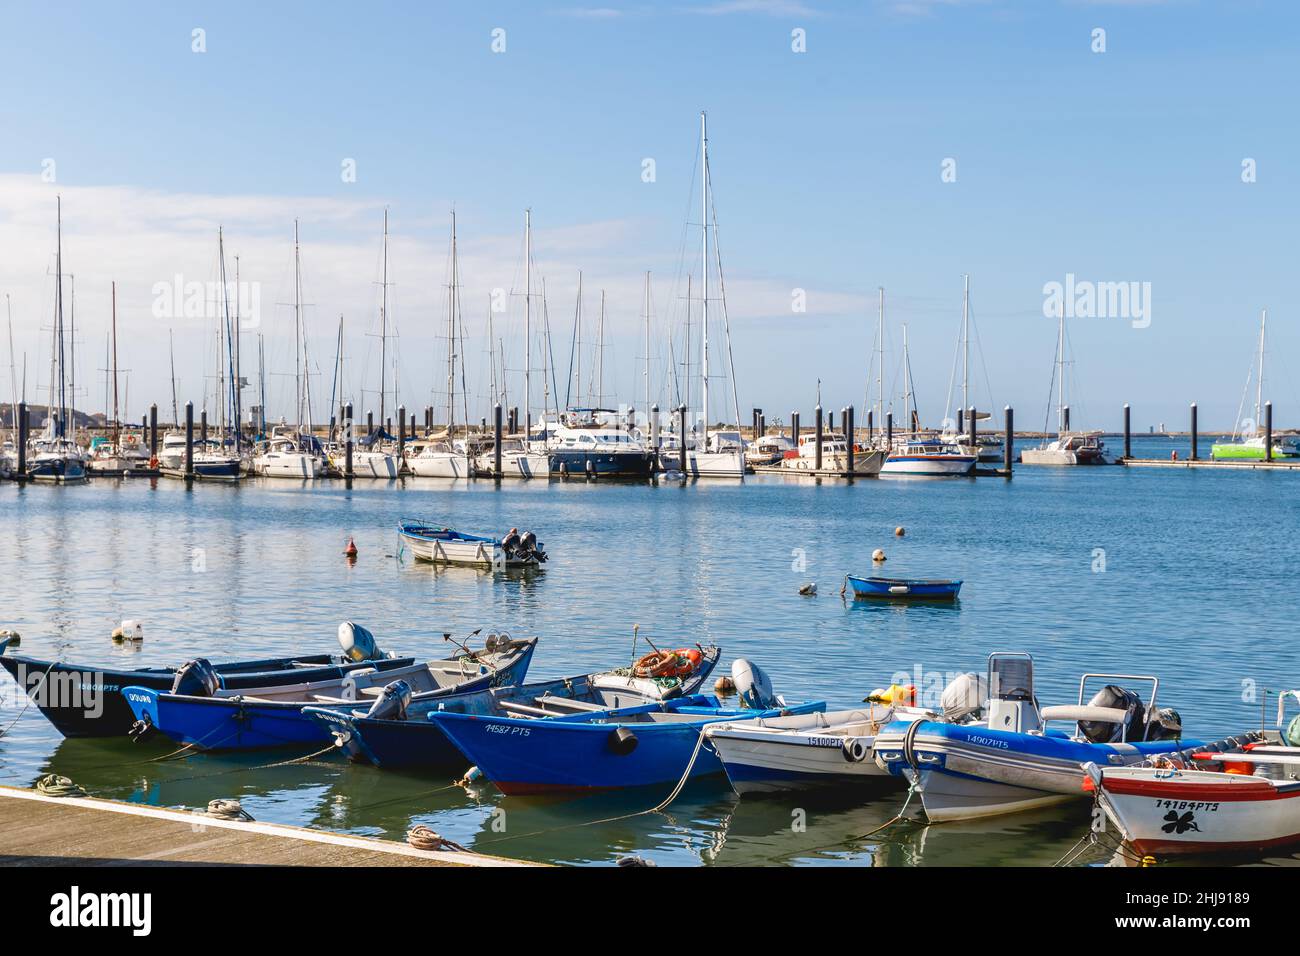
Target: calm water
point(1195, 588)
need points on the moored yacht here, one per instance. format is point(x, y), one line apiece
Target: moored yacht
point(835, 455)
point(588, 443)
point(928, 457)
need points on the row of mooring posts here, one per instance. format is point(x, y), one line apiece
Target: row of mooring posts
point(1195, 432)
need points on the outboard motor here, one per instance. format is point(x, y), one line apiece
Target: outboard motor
point(530, 547)
point(1165, 724)
point(196, 678)
point(964, 696)
point(511, 542)
point(1101, 732)
point(358, 643)
point(392, 702)
point(753, 686)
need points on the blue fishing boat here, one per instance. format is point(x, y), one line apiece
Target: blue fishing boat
point(902, 589)
point(216, 718)
point(1002, 757)
point(83, 700)
point(648, 745)
point(404, 737)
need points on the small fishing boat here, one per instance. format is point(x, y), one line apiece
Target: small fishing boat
point(86, 701)
point(767, 450)
point(936, 457)
point(835, 456)
point(403, 736)
point(211, 717)
point(647, 745)
point(902, 589)
point(807, 751)
point(428, 542)
point(1178, 807)
point(1008, 759)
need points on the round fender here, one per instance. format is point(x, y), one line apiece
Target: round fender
point(621, 741)
point(854, 750)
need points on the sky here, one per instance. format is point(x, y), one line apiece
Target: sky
point(900, 144)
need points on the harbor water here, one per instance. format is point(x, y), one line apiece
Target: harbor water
point(1181, 574)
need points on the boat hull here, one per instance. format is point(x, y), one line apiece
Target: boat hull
point(864, 463)
point(439, 466)
point(1162, 812)
point(965, 772)
point(87, 701)
point(282, 465)
point(715, 464)
point(578, 463)
point(928, 466)
point(778, 763)
point(373, 465)
point(57, 470)
point(898, 589)
point(526, 465)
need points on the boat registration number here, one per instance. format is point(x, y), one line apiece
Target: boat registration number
point(1162, 804)
point(507, 730)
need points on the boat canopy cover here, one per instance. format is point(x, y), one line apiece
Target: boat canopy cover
point(379, 434)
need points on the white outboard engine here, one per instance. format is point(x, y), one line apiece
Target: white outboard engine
point(358, 643)
point(965, 696)
point(753, 686)
point(392, 702)
point(196, 678)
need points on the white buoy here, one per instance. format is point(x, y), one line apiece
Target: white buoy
point(878, 555)
point(129, 630)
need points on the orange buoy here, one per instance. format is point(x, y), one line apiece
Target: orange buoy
point(351, 549)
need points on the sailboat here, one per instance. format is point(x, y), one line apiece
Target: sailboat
point(56, 457)
point(521, 457)
point(987, 448)
point(1250, 443)
point(374, 456)
point(116, 457)
point(712, 453)
point(294, 451)
point(217, 457)
point(1069, 447)
point(440, 458)
point(9, 450)
point(926, 456)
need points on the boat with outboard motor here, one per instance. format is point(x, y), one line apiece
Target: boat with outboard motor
point(659, 743)
point(1006, 758)
point(201, 713)
point(396, 732)
point(86, 701)
point(429, 542)
point(807, 751)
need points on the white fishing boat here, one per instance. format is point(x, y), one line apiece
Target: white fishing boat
point(427, 542)
point(1208, 801)
point(835, 455)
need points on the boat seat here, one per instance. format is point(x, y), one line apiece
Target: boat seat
point(549, 700)
point(1107, 715)
point(525, 709)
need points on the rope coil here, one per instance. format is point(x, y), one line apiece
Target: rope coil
point(422, 838)
point(53, 785)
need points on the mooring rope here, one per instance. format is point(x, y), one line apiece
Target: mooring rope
point(422, 838)
point(30, 693)
point(227, 809)
point(52, 785)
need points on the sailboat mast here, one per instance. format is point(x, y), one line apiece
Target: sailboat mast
point(237, 391)
point(13, 374)
point(1060, 371)
point(383, 329)
point(171, 346)
point(880, 366)
point(965, 343)
point(117, 427)
point(528, 318)
point(1259, 381)
point(704, 268)
point(451, 336)
point(647, 342)
point(600, 354)
point(907, 384)
point(56, 358)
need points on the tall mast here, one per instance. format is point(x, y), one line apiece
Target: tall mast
point(223, 318)
point(577, 332)
point(1060, 371)
point(297, 329)
point(704, 269)
point(907, 384)
point(647, 342)
point(492, 355)
point(13, 374)
point(117, 428)
point(965, 342)
point(686, 351)
point(171, 345)
point(1259, 381)
point(880, 367)
point(451, 336)
point(528, 317)
point(383, 329)
point(59, 422)
point(237, 396)
point(70, 406)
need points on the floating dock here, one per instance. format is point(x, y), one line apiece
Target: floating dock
point(40, 830)
point(1226, 463)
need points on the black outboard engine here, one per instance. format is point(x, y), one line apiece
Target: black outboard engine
point(392, 702)
point(196, 678)
point(530, 547)
point(1102, 732)
point(511, 542)
point(1165, 724)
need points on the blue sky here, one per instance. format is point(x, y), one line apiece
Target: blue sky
point(1117, 166)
